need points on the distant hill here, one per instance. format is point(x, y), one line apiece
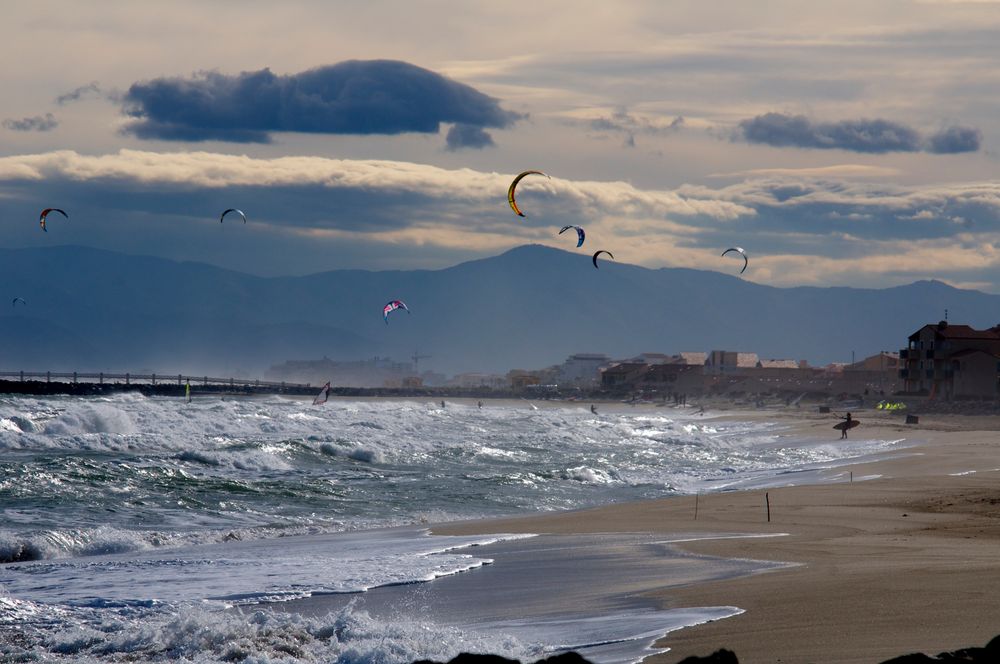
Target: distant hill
point(89, 309)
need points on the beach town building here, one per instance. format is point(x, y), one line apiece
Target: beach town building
point(519, 379)
point(491, 381)
point(727, 362)
point(884, 361)
point(675, 377)
point(778, 370)
point(689, 358)
point(623, 373)
point(653, 358)
point(581, 369)
point(779, 364)
point(949, 361)
point(877, 374)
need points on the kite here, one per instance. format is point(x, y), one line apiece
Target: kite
point(239, 212)
point(580, 235)
point(513, 185)
point(597, 253)
point(740, 251)
point(14, 302)
point(45, 213)
point(392, 306)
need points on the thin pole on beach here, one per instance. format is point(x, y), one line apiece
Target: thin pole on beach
point(695, 506)
point(767, 501)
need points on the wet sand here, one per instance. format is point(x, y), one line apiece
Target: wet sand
point(906, 562)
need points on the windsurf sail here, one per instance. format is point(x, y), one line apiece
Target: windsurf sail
point(322, 396)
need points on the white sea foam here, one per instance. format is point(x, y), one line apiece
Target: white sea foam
point(197, 633)
point(237, 571)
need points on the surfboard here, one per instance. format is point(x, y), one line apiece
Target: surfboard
point(846, 425)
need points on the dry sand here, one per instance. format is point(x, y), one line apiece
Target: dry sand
point(903, 563)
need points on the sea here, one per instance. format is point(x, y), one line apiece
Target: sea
point(268, 529)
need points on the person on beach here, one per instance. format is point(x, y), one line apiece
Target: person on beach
point(593, 409)
point(847, 420)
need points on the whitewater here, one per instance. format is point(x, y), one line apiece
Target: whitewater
point(157, 529)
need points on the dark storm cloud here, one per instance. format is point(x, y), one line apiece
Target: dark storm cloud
point(468, 136)
point(955, 139)
point(352, 97)
point(45, 122)
point(875, 136)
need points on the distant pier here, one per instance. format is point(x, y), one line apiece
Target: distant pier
point(87, 383)
point(78, 383)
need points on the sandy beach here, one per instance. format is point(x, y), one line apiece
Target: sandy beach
point(904, 558)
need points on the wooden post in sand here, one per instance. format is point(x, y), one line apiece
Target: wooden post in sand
point(695, 506)
point(767, 501)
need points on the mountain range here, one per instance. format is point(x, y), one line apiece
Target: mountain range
point(95, 310)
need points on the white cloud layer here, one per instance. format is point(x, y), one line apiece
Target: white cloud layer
point(839, 225)
point(213, 170)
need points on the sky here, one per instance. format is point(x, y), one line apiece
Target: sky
point(839, 143)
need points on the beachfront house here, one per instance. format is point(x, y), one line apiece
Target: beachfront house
point(948, 361)
point(730, 362)
point(623, 373)
point(582, 369)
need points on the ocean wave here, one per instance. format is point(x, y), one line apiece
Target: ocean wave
point(15, 548)
point(94, 418)
point(589, 475)
point(195, 633)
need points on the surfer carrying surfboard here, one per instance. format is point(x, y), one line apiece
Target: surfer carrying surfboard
point(848, 423)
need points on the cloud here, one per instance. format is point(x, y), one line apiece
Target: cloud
point(836, 171)
point(870, 136)
point(91, 90)
point(620, 120)
point(798, 131)
point(352, 97)
point(375, 178)
point(45, 122)
point(798, 227)
point(468, 136)
point(955, 139)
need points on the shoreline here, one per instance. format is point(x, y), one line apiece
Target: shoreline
point(906, 562)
